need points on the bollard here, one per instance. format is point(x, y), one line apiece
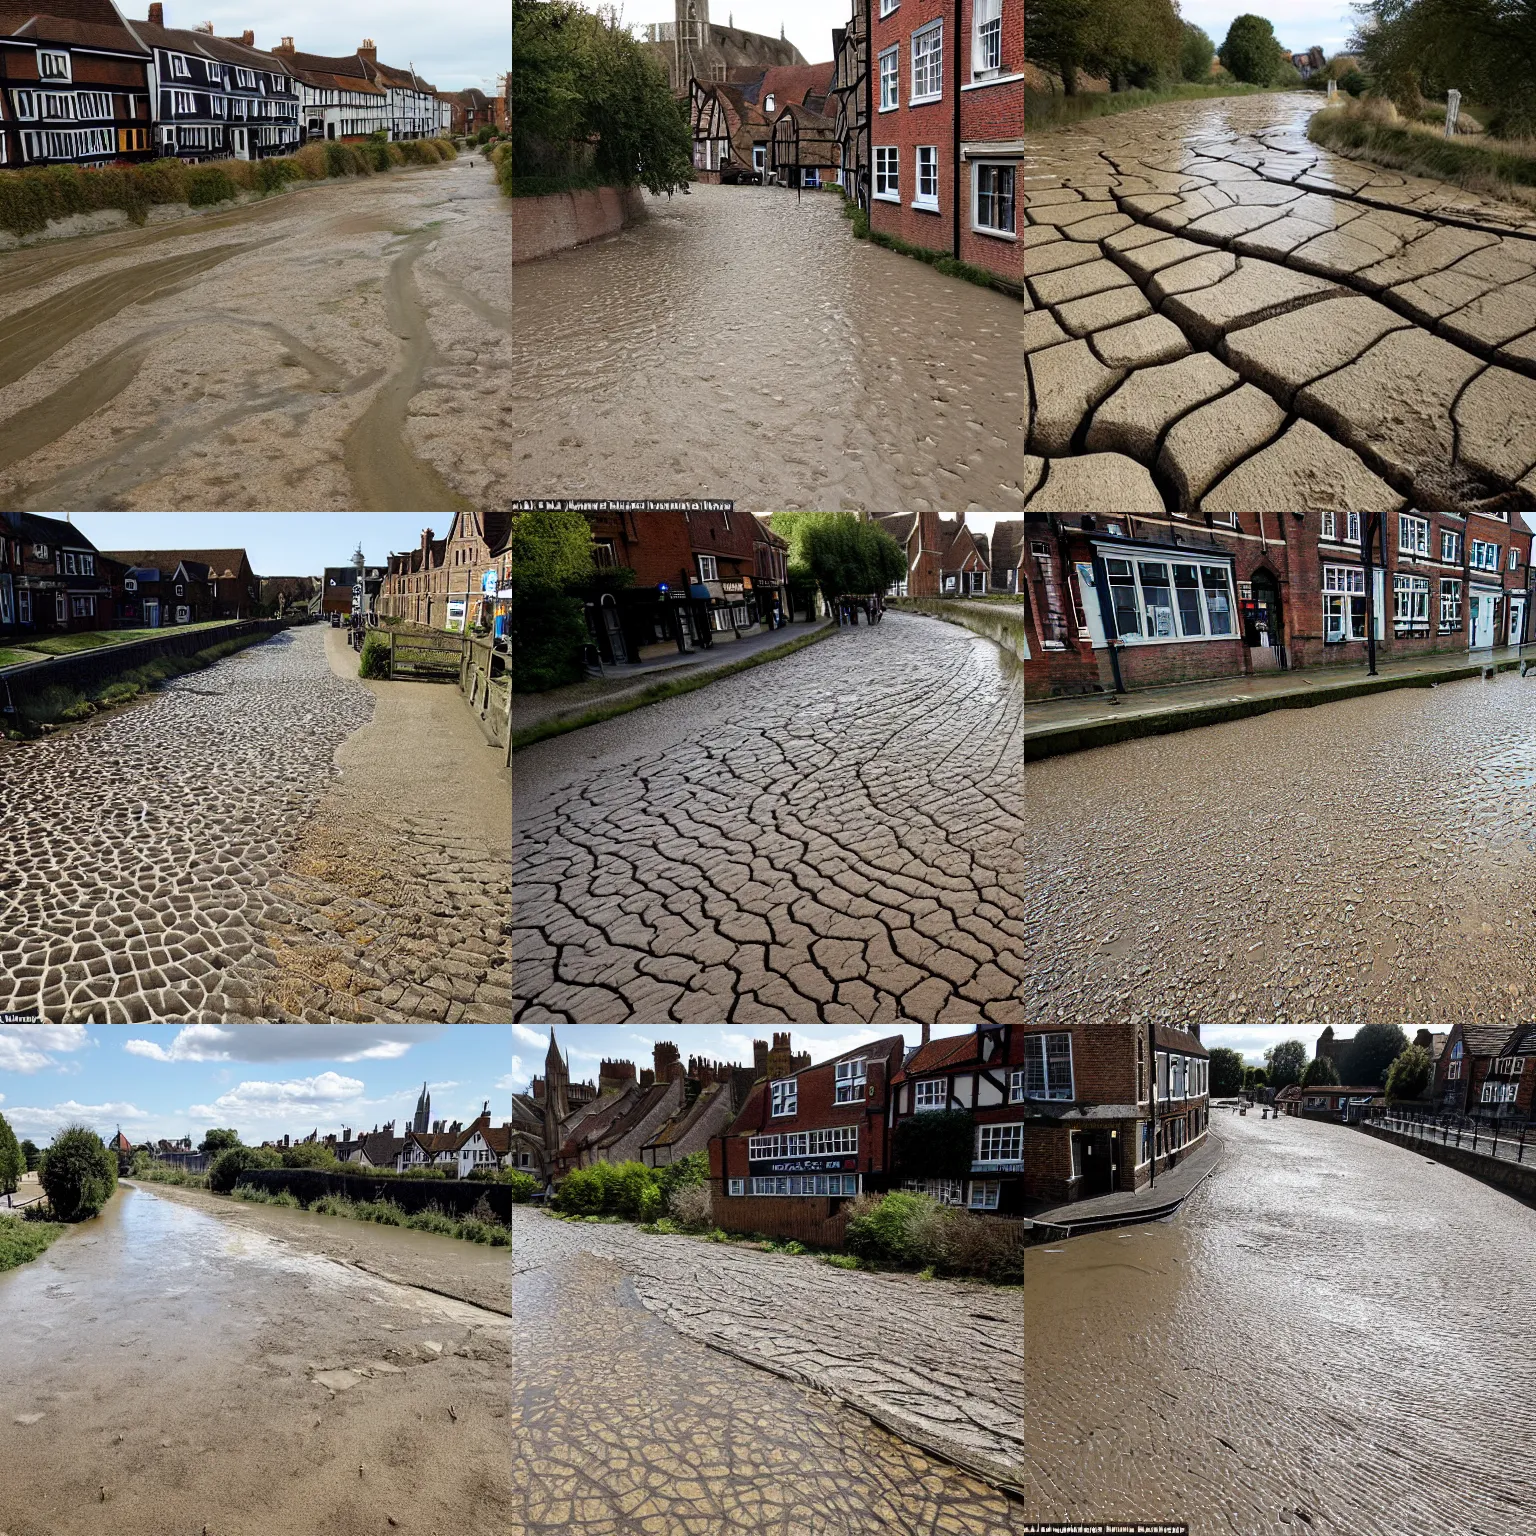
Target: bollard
point(1333, 91)
point(1452, 112)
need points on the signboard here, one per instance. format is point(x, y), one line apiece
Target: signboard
point(488, 582)
point(456, 607)
point(732, 588)
point(846, 1164)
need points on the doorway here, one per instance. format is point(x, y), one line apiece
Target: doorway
point(613, 633)
point(1098, 1163)
point(238, 143)
point(1263, 628)
point(1516, 618)
point(1483, 614)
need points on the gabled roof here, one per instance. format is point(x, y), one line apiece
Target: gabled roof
point(899, 525)
point(938, 1055)
point(790, 83)
point(1008, 545)
point(220, 49)
point(685, 1119)
point(648, 1100)
point(32, 529)
point(223, 563)
point(81, 23)
point(1485, 1039)
point(1172, 1039)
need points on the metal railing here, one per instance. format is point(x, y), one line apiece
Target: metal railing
point(1507, 1139)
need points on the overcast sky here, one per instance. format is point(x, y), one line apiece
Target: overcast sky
point(1252, 1040)
point(265, 1080)
point(589, 1044)
point(276, 543)
point(1297, 23)
point(469, 43)
point(807, 24)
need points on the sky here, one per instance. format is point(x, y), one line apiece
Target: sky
point(468, 44)
point(1297, 23)
point(589, 1044)
point(276, 543)
point(264, 1080)
point(1252, 1040)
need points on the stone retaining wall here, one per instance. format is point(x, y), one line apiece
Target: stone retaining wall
point(455, 1197)
point(1004, 626)
point(90, 669)
point(542, 225)
point(1517, 1178)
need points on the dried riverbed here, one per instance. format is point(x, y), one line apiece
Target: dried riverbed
point(186, 1370)
point(342, 346)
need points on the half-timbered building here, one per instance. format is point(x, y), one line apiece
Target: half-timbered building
point(74, 86)
point(848, 103)
point(411, 102)
point(214, 97)
point(803, 149)
point(337, 99)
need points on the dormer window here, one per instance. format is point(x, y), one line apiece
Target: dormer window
point(179, 589)
point(179, 68)
point(768, 105)
point(53, 66)
point(850, 1082)
point(785, 1096)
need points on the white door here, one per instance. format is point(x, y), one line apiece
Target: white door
point(237, 142)
point(1088, 600)
point(151, 614)
point(757, 158)
point(1483, 606)
point(1516, 619)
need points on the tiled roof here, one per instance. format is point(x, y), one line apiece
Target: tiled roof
point(1172, 1039)
point(938, 1054)
point(1485, 1039)
point(19, 21)
point(790, 82)
point(898, 524)
point(224, 563)
point(1008, 545)
point(643, 1105)
point(684, 1121)
point(32, 529)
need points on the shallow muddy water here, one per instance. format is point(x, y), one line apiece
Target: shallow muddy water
point(1331, 1336)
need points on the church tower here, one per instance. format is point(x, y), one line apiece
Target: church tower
point(557, 1078)
point(423, 1120)
point(691, 34)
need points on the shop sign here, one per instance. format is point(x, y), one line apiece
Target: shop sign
point(488, 582)
point(732, 588)
point(847, 1164)
point(456, 608)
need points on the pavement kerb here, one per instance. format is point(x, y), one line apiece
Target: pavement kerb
point(1057, 741)
point(655, 693)
point(1060, 1230)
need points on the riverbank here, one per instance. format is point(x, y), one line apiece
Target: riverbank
point(1045, 111)
point(1155, 1201)
point(1001, 623)
point(22, 1240)
point(557, 222)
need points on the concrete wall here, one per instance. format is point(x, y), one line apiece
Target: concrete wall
point(541, 225)
point(1002, 623)
point(89, 669)
point(1518, 1178)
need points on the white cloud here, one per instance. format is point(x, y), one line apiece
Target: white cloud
point(44, 1120)
point(502, 1084)
point(284, 1042)
point(305, 1097)
point(26, 1047)
point(530, 1036)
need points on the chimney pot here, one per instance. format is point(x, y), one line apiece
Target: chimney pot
point(286, 46)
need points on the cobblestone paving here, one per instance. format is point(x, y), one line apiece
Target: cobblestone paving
point(834, 836)
point(134, 870)
point(1359, 861)
point(1223, 317)
point(903, 1350)
point(623, 1427)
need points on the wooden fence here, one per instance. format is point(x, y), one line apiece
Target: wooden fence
point(424, 656)
point(485, 683)
point(821, 1220)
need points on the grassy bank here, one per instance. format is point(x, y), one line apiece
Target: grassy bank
point(1045, 110)
point(948, 265)
point(22, 1239)
point(1371, 131)
point(53, 707)
point(31, 198)
point(659, 691)
point(469, 1229)
point(91, 640)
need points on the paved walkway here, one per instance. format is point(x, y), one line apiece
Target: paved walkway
point(939, 1362)
point(1054, 726)
point(627, 682)
point(1172, 1187)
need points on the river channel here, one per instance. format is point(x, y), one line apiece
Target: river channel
point(739, 342)
point(184, 1370)
point(1332, 1336)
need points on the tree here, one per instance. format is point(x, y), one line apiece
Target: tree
point(1195, 53)
point(309, 1154)
point(1374, 1048)
point(1226, 1072)
point(1254, 1077)
point(1320, 1072)
point(33, 1156)
point(216, 1141)
point(1408, 1075)
point(551, 555)
point(840, 553)
point(551, 545)
point(12, 1163)
point(225, 1170)
point(1251, 50)
point(1286, 1062)
point(1132, 42)
point(78, 1174)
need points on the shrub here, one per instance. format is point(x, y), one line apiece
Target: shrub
point(692, 1207)
point(273, 174)
point(891, 1227)
point(209, 184)
point(652, 1204)
point(685, 1172)
point(22, 1240)
point(12, 1163)
point(375, 657)
point(227, 1167)
point(841, 1260)
point(987, 1246)
point(78, 1174)
point(308, 1154)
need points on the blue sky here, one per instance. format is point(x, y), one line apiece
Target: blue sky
point(263, 1079)
point(1297, 23)
point(276, 543)
point(589, 1044)
point(469, 44)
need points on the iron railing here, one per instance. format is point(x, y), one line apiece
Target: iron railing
point(1508, 1139)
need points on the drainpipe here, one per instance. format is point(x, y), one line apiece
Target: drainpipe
point(869, 109)
point(955, 134)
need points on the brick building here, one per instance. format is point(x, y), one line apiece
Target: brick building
point(1107, 1107)
point(215, 583)
point(945, 556)
point(1131, 601)
point(452, 582)
point(946, 127)
point(52, 580)
point(805, 1142)
point(980, 1075)
point(1474, 1056)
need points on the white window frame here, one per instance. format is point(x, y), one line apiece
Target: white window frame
point(737, 1187)
point(890, 74)
point(1338, 592)
point(1450, 545)
point(887, 6)
point(921, 199)
point(986, 39)
point(69, 563)
point(945, 1191)
point(93, 104)
point(25, 105)
point(925, 1096)
point(1330, 526)
point(800, 1185)
point(995, 231)
point(993, 1146)
point(179, 70)
point(1485, 555)
point(932, 62)
point(832, 1141)
point(887, 182)
point(784, 1096)
point(1410, 604)
point(58, 107)
point(1047, 1052)
point(1412, 534)
point(87, 564)
point(850, 1079)
point(984, 1195)
point(1016, 1086)
point(1131, 579)
point(1352, 528)
point(1514, 558)
point(1450, 604)
point(47, 55)
point(245, 78)
point(709, 570)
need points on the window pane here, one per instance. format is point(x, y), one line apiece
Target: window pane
point(1218, 598)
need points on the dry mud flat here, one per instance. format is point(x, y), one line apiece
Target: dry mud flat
point(1223, 317)
point(342, 346)
point(167, 1370)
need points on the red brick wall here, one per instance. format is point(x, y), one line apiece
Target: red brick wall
point(1148, 666)
point(993, 114)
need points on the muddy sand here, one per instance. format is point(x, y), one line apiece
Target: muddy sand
point(342, 346)
point(168, 1370)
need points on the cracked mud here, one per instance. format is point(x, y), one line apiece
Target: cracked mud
point(834, 836)
point(1223, 317)
point(623, 1426)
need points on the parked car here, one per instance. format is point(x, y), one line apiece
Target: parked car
point(733, 173)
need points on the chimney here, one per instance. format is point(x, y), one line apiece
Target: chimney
point(927, 1031)
point(346, 1135)
point(1194, 1029)
point(286, 46)
point(204, 26)
point(248, 38)
point(668, 1061)
point(647, 1077)
point(157, 14)
point(368, 51)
